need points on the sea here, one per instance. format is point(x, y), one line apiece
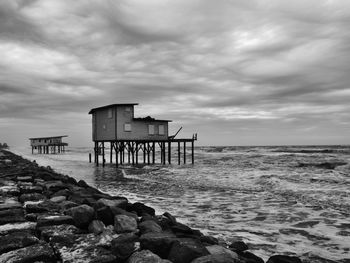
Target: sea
point(292, 200)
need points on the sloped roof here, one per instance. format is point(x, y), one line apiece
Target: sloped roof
point(112, 105)
point(51, 137)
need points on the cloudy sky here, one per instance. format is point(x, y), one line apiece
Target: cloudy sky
point(257, 72)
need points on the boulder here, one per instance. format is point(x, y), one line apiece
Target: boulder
point(119, 211)
point(146, 256)
point(24, 178)
point(283, 259)
point(30, 189)
point(82, 215)
point(58, 199)
point(215, 259)
point(38, 252)
point(158, 243)
point(124, 245)
point(67, 204)
point(55, 186)
point(58, 233)
point(170, 217)
point(11, 216)
point(219, 250)
point(16, 240)
point(10, 204)
point(31, 197)
point(42, 207)
point(82, 248)
point(141, 209)
point(209, 240)
point(111, 203)
point(184, 250)
point(96, 227)
point(15, 227)
point(149, 226)
point(51, 220)
point(124, 223)
point(238, 246)
point(105, 215)
point(250, 257)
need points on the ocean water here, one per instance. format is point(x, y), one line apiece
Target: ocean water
point(276, 199)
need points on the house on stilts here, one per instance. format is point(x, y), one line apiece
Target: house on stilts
point(134, 140)
point(46, 145)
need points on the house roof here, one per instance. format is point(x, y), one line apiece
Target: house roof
point(149, 118)
point(112, 105)
point(51, 137)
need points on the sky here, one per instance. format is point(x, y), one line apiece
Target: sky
point(257, 72)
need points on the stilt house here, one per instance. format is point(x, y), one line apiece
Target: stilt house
point(117, 125)
point(47, 145)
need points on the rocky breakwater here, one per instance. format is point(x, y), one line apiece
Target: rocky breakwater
point(48, 217)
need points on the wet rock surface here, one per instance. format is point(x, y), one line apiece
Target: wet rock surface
point(49, 217)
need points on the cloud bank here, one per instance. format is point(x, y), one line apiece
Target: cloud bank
point(237, 72)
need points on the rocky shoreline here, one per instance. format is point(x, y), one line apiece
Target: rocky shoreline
point(49, 217)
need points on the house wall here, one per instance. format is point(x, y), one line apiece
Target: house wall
point(103, 127)
point(43, 142)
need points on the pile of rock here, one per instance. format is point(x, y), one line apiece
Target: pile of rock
point(48, 217)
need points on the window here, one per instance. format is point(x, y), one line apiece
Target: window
point(127, 127)
point(150, 129)
point(161, 130)
point(110, 114)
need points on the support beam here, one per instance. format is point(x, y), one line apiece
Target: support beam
point(184, 152)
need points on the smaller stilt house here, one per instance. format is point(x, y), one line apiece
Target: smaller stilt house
point(46, 145)
point(116, 124)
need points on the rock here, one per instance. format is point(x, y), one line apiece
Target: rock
point(10, 204)
point(171, 218)
point(82, 248)
point(215, 259)
point(58, 233)
point(250, 257)
point(158, 243)
point(58, 199)
point(15, 227)
point(106, 237)
point(30, 189)
point(42, 207)
point(124, 245)
point(209, 240)
point(96, 227)
point(55, 186)
point(38, 252)
point(119, 211)
point(51, 220)
point(16, 240)
point(149, 226)
point(63, 192)
point(182, 230)
point(31, 197)
point(283, 259)
point(67, 204)
point(82, 215)
point(105, 215)
point(184, 250)
point(11, 216)
point(146, 256)
point(111, 203)
point(124, 223)
point(141, 209)
point(24, 178)
point(219, 250)
point(238, 246)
